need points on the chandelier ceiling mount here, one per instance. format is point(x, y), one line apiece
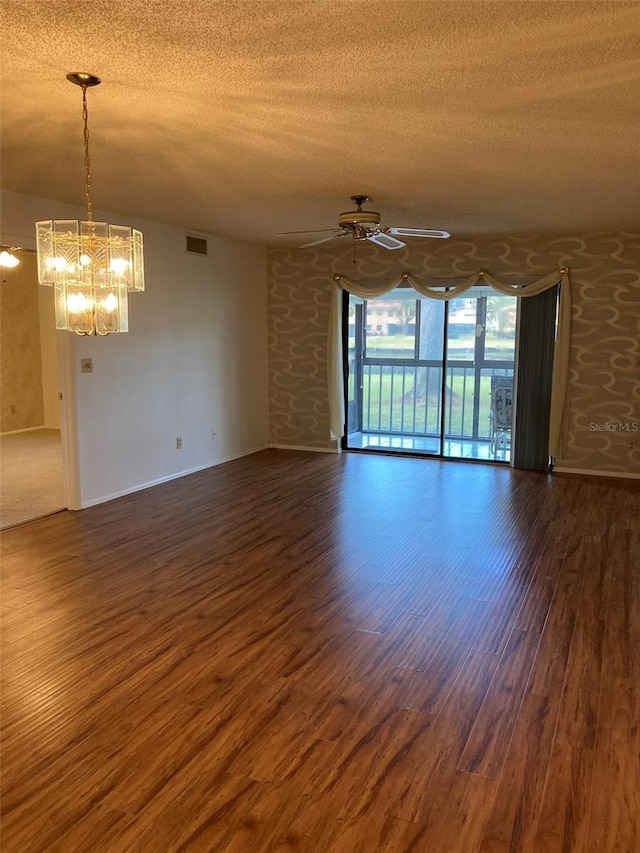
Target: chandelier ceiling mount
point(82, 78)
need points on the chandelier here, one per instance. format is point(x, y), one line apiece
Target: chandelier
point(91, 265)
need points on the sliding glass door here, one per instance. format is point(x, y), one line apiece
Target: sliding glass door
point(422, 374)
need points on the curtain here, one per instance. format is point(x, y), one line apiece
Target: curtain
point(558, 420)
point(532, 403)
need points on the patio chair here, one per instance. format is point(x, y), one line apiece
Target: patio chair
point(500, 414)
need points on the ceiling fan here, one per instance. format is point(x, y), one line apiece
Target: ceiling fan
point(366, 225)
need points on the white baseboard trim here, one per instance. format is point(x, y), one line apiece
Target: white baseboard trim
point(28, 429)
point(168, 478)
point(307, 449)
point(591, 473)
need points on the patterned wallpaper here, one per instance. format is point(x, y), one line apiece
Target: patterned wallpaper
point(605, 337)
point(21, 384)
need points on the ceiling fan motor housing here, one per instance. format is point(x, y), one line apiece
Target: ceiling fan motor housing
point(359, 219)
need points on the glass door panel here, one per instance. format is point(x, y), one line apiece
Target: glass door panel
point(388, 369)
point(399, 392)
point(500, 328)
point(480, 348)
point(428, 395)
point(461, 346)
point(390, 331)
point(354, 364)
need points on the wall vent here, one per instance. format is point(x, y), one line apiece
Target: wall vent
point(196, 245)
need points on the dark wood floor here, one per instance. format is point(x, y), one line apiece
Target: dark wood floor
point(331, 654)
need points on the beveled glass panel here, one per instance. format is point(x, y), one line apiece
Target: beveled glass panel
point(79, 307)
point(60, 304)
point(120, 255)
point(66, 250)
point(44, 244)
point(137, 282)
point(124, 310)
point(111, 312)
point(95, 250)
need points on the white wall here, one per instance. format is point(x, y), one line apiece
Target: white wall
point(194, 360)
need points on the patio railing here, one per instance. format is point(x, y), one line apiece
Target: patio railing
point(405, 399)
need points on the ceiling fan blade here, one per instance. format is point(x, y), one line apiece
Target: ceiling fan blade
point(419, 232)
point(385, 240)
point(315, 231)
point(323, 240)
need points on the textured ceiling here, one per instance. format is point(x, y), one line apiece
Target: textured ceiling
point(245, 118)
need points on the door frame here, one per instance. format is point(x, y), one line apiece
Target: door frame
point(71, 483)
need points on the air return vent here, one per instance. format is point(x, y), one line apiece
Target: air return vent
point(196, 245)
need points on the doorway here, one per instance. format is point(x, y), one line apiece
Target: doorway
point(31, 451)
point(432, 377)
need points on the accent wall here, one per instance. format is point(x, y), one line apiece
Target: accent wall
point(20, 348)
point(604, 270)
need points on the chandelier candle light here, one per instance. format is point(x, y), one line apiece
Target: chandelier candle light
point(91, 265)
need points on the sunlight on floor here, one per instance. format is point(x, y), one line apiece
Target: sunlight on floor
point(429, 445)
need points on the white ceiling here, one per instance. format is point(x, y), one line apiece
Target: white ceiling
point(247, 118)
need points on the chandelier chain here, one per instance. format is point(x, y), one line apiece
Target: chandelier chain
point(87, 159)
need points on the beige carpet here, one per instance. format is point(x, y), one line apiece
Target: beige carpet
point(30, 475)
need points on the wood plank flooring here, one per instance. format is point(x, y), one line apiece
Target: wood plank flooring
point(331, 654)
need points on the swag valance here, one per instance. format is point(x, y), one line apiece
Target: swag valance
point(560, 380)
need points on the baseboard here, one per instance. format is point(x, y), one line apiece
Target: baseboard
point(307, 449)
point(28, 429)
point(168, 478)
point(590, 473)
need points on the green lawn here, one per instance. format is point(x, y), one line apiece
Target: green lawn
point(462, 347)
point(396, 411)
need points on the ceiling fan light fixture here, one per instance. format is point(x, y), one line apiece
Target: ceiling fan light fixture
point(91, 265)
point(8, 259)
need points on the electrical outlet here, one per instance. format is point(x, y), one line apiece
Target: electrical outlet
point(214, 435)
point(179, 443)
point(86, 365)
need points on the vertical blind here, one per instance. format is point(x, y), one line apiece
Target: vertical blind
point(534, 381)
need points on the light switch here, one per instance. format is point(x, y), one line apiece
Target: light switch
point(86, 365)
